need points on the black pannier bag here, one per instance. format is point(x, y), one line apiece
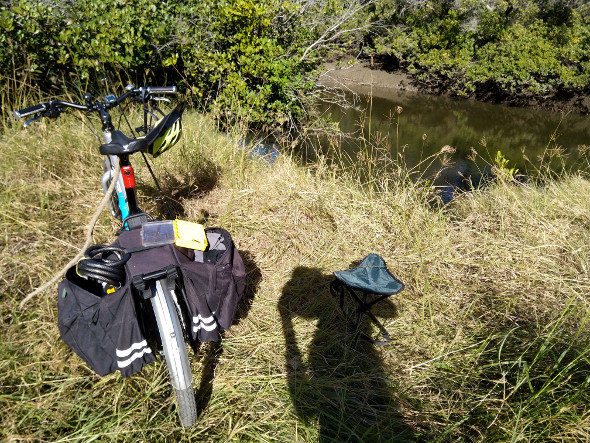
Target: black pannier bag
point(102, 331)
point(106, 331)
point(214, 279)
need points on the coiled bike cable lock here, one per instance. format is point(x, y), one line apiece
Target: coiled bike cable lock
point(99, 263)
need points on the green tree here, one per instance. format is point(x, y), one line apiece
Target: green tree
point(522, 47)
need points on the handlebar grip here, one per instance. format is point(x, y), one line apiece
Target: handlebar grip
point(30, 110)
point(161, 89)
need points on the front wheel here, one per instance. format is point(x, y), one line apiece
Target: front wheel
point(175, 353)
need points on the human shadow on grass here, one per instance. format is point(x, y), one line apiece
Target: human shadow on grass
point(344, 389)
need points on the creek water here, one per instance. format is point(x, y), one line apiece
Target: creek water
point(419, 126)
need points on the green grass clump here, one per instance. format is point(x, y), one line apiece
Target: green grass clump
point(490, 334)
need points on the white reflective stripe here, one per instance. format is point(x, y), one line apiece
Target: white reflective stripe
point(125, 363)
point(134, 347)
point(208, 324)
point(204, 320)
point(209, 328)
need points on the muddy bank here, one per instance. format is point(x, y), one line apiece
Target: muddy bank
point(361, 74)
point(360, 77)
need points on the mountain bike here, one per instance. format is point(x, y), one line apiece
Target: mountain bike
point(161, 287)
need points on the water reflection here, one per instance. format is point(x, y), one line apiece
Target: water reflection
point(428, 123)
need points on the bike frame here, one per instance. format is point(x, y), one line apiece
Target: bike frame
point(126, 201)
point(126, 204)
point(165, 306)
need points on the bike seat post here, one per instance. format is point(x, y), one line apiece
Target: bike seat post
point(129, 183)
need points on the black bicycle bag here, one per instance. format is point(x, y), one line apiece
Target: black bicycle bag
point(109, 333)
point(214, 279)
point(102, 330)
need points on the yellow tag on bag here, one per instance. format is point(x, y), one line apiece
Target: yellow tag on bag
point(190, 235)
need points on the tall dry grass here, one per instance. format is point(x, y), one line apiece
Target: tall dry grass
point(490, 334)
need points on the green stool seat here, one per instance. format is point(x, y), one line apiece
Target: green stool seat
point(371, 275)
point(367, 284)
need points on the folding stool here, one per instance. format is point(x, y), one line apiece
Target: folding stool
point(367, 284)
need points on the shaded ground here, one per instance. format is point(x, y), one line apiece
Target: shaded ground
point(380, 79)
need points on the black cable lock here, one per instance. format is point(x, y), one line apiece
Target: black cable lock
point(99, 264)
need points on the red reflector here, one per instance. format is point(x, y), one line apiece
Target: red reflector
point(128, 177)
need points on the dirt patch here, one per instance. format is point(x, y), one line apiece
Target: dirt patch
point(362, 74)
point(378, 79)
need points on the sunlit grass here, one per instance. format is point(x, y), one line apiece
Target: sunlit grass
point(490, 334)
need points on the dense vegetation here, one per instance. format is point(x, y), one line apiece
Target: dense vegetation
point(258, 60)
point(228, 56)
point(518, 48)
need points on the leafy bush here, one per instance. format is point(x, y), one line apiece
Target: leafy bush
point(521, 47)
point(236, 64)
point(229, 56)
point(61, 40)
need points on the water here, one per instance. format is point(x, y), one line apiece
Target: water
point(428, 123)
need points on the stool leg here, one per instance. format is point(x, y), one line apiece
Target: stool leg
point(337, 288)
point(362, 307)
point(359, 314)
point(384, 332)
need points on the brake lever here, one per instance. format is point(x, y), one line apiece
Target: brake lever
point(31, 120)
point(51, 112)
point(162, 99)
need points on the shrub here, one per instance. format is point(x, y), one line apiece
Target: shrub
point(523, 48)
point(229, 56)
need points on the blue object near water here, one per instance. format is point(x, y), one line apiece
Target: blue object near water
point(268, 152)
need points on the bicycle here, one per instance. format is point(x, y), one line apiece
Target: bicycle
point(161, 286)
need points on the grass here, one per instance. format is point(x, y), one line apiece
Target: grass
point(490, 334)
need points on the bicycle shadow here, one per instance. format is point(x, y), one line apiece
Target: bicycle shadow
point(343, 389)
point(212, 354)
point(213, 351)
point(177, 189)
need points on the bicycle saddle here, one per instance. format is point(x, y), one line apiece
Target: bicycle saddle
point(372, 276)
point(121, 144)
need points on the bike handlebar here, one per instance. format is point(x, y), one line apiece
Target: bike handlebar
point(161, 89)
point(55, 105)
point(30, 110)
